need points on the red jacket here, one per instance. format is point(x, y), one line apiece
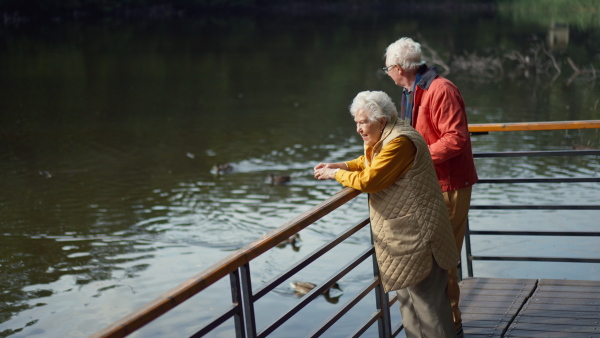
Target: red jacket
point(439, 115)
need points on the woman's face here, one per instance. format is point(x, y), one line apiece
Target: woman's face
point(370, 131)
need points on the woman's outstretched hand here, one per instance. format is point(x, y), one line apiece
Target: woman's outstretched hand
point(325, 171)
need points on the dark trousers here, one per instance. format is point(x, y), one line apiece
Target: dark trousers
point(425, 307)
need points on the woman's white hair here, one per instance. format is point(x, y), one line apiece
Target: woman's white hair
point(404, 52)
point(375, 104)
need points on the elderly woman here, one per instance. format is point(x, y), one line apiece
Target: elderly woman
point(411, 228)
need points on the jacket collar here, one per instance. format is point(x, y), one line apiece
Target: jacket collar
point(428, 75)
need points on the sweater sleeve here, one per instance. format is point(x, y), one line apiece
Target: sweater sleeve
point(394, 160)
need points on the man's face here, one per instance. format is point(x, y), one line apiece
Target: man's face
point(394, 72)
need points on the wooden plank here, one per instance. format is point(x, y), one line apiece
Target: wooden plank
point(510, 311)
point(489, 305)
point(465, 299)
point(572, 288)
point(495, 292)
point(565, 301)
point(567, 295)
point(474, 305)
point(503, 284)
point(545, 334)
point(565, 315)
point(559, 308)
point(566, 330)
point(552, 320)
point(562, 282)
point(555, 327)
point(483, 331)
point(562, 307)
point(488, 323)
point(512, 281)
point(468, 317)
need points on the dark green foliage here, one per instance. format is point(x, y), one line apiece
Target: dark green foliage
point(51, 7)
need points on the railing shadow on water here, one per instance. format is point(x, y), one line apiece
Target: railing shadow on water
point(237, 265)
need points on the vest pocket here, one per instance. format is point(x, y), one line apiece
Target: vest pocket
point(402, 235)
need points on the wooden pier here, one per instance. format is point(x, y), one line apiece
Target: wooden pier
point(546, 308)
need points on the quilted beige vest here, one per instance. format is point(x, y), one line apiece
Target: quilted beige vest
point(409, 219)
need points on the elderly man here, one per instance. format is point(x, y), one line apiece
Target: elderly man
point(411, 229)
point(435, 108)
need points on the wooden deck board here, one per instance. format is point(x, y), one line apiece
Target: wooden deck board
point(489, 305)
point(528, 308)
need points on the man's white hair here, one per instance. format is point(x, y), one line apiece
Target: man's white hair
point(404, 52)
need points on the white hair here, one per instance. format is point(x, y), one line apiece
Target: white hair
point(375, 104)
point(404, 52)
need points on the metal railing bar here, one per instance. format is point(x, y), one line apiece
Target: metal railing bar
point(396, 331)
point(285, 275)
point(216, 321)
point(535, 259)
point(540, 180)
point(529, 126)
point(393, 300)
point(537, 153)
point(367, 324)
point(535, 207)
point(535, 233)
point(317, 291)
point(222, 268)
point(347, 306)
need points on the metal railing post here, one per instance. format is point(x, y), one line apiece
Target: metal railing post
point(247, 301)
point(381, 301)
point(468, 251)
point(236, 298)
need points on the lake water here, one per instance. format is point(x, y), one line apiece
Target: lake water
point(110, 130)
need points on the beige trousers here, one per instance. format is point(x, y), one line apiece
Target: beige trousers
point(458, 202)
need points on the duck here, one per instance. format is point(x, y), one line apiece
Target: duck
point(279, 179)
point(302, 288)
point(582, 147)
point(293, 240)
point(219, 169)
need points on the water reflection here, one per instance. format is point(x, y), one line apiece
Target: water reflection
point(111, 133)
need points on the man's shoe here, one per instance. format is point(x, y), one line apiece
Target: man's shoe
point(459, 332)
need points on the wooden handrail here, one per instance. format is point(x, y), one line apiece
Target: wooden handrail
point(557, 125)
point(222, 268)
